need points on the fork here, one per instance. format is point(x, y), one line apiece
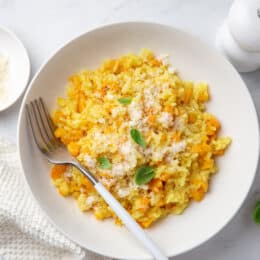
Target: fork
point(55, 152)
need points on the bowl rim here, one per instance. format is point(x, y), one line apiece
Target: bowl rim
point(27, 76)
point(125, 23)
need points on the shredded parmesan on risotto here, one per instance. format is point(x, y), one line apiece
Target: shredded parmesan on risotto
point(133, 113)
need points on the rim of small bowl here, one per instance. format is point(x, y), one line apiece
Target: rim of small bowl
point(28, 64)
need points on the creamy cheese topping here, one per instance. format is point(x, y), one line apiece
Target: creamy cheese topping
point(179, 124)
point(82, 189)
point(123, 192)
point(117, 111)
point(178, 147)
point(135, 113)
point(91, 199)
point(118, 169)
point(101, 120)
point(108, 182)
point(172, 70)
point(68, 174)
point(109, 96)
point(164, 58)
point(127, 147)
point(165, 119)
point(169, 151)
point(90, 162)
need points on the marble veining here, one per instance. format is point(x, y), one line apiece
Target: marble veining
point(44, 25)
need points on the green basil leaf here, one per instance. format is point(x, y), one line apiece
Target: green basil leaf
point(137, 137)
point(256, 214)
point(104, 163)
point(144, 175)
point(125, 101)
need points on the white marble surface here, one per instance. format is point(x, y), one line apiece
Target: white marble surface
point(44, 25)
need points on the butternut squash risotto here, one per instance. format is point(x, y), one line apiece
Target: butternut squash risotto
point(145, 134)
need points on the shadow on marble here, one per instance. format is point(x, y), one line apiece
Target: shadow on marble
point(252, 81)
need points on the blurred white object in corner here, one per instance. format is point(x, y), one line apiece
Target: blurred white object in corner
point(239, 36)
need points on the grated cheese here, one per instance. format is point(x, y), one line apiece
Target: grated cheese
point(123, 192)
point(91, 163)
point(68, 174)
point(101, 120)
point(165, 119)
point(164, 58)
point(135, 113)
point(178, 147)
point(172, 70)
point(127, 147)
point(91, 199)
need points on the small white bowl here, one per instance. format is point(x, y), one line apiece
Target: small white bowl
point(18, 72)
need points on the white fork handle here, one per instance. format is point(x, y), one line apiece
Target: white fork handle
point(130, 223)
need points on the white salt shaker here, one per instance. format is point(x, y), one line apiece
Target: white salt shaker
point(239, 36)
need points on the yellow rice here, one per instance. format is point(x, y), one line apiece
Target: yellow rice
point(182, 138)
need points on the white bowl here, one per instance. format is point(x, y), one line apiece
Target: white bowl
point(18, 67)
point(230, 101)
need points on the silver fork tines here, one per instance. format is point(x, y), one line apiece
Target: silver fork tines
point(47, 122)
point(42, 131)
point(38, 123)
point(43, 134)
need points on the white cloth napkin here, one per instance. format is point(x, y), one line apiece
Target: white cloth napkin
point(25, 232)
